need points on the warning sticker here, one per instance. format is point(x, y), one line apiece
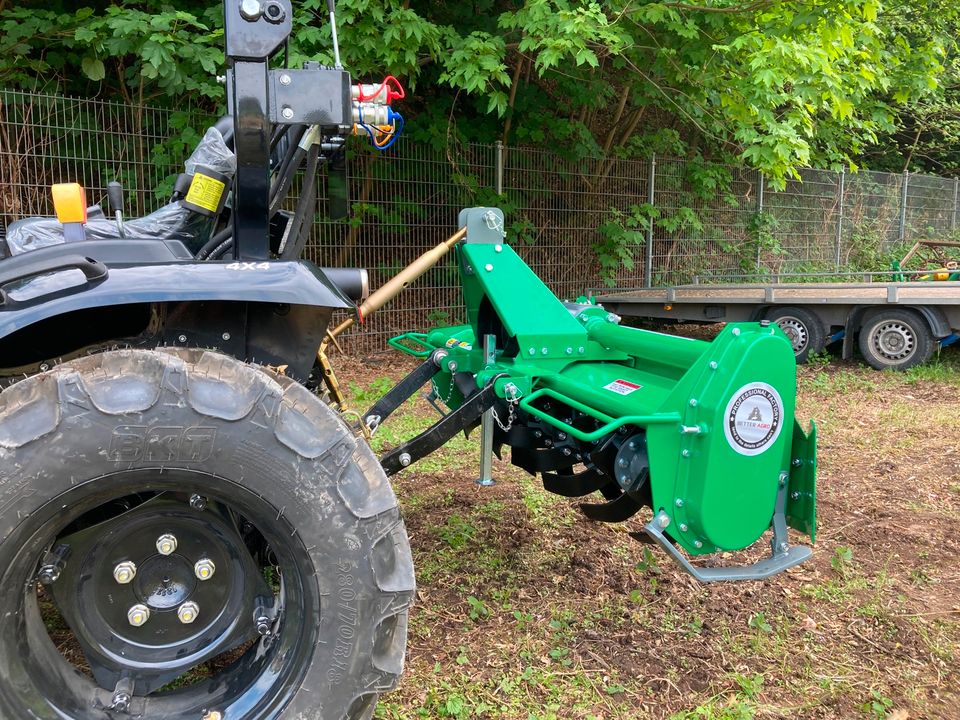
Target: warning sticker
point(754, 418)
point(205, 192)
point(622, 387)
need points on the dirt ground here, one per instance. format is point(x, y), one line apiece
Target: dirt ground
point(526, 610)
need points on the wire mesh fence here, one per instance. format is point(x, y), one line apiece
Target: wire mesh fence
point(579, 222)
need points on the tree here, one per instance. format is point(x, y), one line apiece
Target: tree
point(778, 83)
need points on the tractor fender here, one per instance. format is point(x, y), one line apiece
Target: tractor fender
point(290, 283)
point(934, 317)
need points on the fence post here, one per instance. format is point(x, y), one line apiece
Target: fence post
point(760, 183)
point(498, 168)
point(651, 185)
point(904, 187)
point(842, 189)
point(956, 195)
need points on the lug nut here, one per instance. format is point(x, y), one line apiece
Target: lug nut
point(263, 625)
point(204, 569)
point(138, 615)
point(213, 715)
point(166, 544)
point(188, 612)
point(125, 572)
point(199, 502)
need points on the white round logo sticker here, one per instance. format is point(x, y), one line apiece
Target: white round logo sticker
point(754, 418)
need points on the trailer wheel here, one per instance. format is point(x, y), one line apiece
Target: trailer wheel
point(896, 340)
point(183, 535)
point(802, 327)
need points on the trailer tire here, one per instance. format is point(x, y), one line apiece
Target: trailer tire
point(244, 467)
point(896, 340)
point(802, 327)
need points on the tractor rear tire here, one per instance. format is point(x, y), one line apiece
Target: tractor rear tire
point(896, 340)
point(305, 616)
point(802, 327)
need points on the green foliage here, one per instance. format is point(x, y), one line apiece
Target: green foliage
point(781, 85)
point(620, 236)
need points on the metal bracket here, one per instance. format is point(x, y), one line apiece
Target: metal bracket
point(484, 225)
point(384, 407)
point(782, 556)
point(464, 417)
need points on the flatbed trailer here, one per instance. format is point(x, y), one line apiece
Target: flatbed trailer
point(896, 323)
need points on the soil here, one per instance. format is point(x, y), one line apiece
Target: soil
point(528, 610)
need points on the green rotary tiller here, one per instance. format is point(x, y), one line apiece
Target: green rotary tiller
point(703, 433)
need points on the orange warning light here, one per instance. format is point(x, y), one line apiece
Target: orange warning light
point(70, 203)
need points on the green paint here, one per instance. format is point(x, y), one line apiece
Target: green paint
point(718, 416)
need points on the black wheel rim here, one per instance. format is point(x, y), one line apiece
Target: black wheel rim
point(263, 640)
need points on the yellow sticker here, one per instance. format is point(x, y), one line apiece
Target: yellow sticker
point(205, 192)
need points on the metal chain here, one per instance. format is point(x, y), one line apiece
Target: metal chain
point(513, 399)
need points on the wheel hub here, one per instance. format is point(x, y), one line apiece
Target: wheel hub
point(169, 618)
point(894, 340)
point(795, 331)
point(165, 582)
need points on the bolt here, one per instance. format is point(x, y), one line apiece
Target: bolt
point(581, 350)
point(797, 462)
point(452, 366)
point(693, 402)
point(287, 113)
point(182, 338)
point(204, 569)
point(561, 436)
point(663, 521)
point(683, 527)
point(285, 79)
point(49, 574)
point(188, 612)
point(567, 452)
point(543, 351)
point(405, 459)
point(537, 434)
point(263, 625)
point(795, 495)
point(532, 351)
point(679, 502)
point(498, 248)
point(44, 367)
point(213, 715)
point(736, 331)
point(124, 572)
point(488, 267)
point(569, 351)
point(198, 502)
point(138, 615)
point(622, 462)
point(226, 336)
point(250, 10)
point(121, 702)
point(686, 453)
point(783, 479)
point(782, 547)
point(166, 544)
point(697, 544)
point(713, 365)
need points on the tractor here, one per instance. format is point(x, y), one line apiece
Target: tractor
point(180, 485)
